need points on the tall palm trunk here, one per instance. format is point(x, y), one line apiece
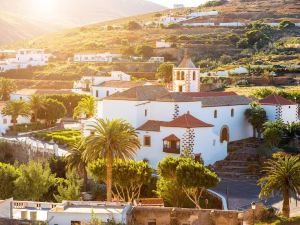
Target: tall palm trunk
point(109, 177)
point(85, 179)
point(286, 203)
point(254, 132)
point(14, 121)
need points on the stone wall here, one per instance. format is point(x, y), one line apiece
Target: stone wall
point(178, 216)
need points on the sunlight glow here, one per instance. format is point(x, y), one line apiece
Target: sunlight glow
point(43, 7)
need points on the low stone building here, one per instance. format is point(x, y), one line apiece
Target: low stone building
point(182, 216)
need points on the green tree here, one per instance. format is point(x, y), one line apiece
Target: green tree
point(137, 175)
point(274, 131)
point(8, 175)
point(256, 116)
point(52, 111)
point(184, 175)
point(85, 107)
point(165, 71)
point(15, 109)
point(282, 176)
point(144, 50)
point(76, 160)
point(132, 25)
point(36, 103)
point(195, 179)
point(285, 24)
point(111, 139)
point(7, 86)
point(34, 181)
point(225, 59)
point(69, 189)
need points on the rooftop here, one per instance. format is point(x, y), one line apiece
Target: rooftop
point(140, 93)
point(123, 84)
point(186, 63)
point(152, 125)
point(187, 121)
point(28, 91)
point(210, 94)
point(230, 100)
point(274, 99)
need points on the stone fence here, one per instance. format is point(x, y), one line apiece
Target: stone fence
point(4, 221)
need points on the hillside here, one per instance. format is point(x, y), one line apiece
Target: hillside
point(211, 48)
point(24, 19)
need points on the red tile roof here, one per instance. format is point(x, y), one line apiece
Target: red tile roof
point(171, 137)
point(150, 202)
point(274, 99)
point(210, 94)
point(152, 125)
point(187, 121)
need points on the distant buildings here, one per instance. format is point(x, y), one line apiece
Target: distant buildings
point(22, 59)
point(163, 44)
point(178, 6)
point(95, 57)
point(26, 93)
point(157, 59)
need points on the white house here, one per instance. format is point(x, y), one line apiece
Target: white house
point(186, 77)
point(5, 121)
point(178, 6)
point(24, 58)
point(163, 44)
point(279, 108)
point(26, 93)
point(157, 59)
point(203, 13)
point(169, 122)
point(95, 57)
point(80, 212)
point(107, 88)
point(167, 20)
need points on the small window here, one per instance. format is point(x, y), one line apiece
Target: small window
point(215, 114)
point(232, 113)
point(97, 94)
point(107, 93)
point(151, 222)
point(21, 98)
point(75, 222)
point(146, 112)
point(182, 75)
point(178, 75)
point(194, 75)
point(147, 141)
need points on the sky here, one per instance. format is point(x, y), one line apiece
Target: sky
point(170, 3)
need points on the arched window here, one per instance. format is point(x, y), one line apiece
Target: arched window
point(182, 75)
point(146, 112)
point(224, 134)
point(107, 93)
point(178, 75)
point(97, 94)
point(215, 114)
point(232, 113)
point(194, 75)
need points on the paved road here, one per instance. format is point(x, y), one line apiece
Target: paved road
point(242, 193)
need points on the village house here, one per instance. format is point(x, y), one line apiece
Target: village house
point(23, 58)
point(26, 93)
point(202, 122)
point(96, 57)
point(163, 44)
point(157, 59)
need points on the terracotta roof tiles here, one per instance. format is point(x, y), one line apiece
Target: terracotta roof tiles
point(187, 121)
point(274, 99)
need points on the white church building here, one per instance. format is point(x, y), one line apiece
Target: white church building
point(202, 122)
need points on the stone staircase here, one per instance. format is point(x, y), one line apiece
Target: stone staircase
point(242, 163)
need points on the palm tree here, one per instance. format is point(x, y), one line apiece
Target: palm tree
point(75, 160)
point(111, 139)
point(86, 107)
point(36, 103)
point(256, 116)
point(7, 86)
point(282, 176)
point(14, 109)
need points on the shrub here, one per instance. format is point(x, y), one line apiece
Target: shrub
point(132, 25)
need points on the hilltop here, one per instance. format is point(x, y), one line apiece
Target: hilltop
point(24, 19)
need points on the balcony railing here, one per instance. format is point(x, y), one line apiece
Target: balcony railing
point(173, 150)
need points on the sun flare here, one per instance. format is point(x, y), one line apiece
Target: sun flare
point(43, 7)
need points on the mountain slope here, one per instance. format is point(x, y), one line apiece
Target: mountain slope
point(22, 19)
